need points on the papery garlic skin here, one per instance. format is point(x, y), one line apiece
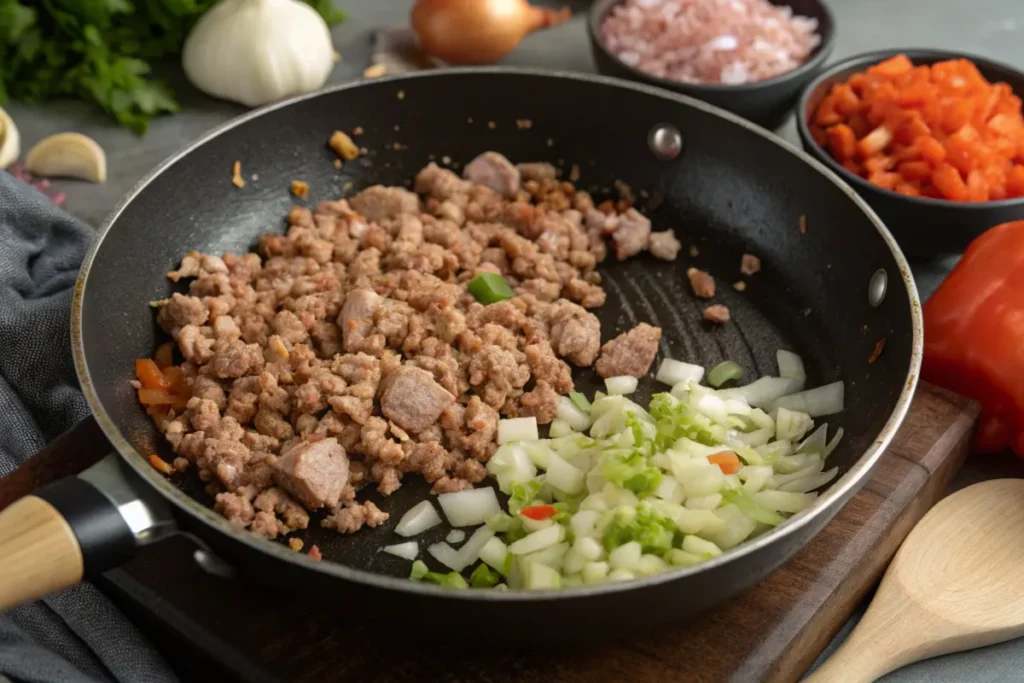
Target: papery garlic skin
point(258, 51)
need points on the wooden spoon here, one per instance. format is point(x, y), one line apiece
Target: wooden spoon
point(956, 583)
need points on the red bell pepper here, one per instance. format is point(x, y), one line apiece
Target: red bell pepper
point(974, 335)
point(539, 512)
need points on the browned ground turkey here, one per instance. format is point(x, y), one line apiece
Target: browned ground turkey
point(664, 245)
point(716, 314)
point(701, 282)
point(631, 353)
point(348, 351)
point(750, 264)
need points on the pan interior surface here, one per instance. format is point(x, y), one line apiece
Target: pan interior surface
point(732, 190)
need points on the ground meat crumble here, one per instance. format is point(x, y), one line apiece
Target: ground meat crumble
point(348, 350)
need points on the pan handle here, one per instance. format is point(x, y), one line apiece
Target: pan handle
point(76, 528)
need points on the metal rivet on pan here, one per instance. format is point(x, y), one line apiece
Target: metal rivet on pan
point(877, 286)
point(665, 141)
point(211, 564)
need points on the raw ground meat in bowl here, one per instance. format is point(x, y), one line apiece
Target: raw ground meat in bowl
point(767, 102)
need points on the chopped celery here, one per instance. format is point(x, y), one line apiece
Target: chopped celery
point(484, 577)
point(523, 495)
point(752, 509)
point(724, 372)
point(580, 401)
point(419, 570)
point(489, 288)
point(654, 532)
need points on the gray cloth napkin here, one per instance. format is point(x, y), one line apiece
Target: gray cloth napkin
point(76, 636)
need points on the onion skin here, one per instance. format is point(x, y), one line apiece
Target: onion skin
point(473, 32)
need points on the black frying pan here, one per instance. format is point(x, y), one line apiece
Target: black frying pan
point(734, 188)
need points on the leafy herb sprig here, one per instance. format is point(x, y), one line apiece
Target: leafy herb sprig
point(100, 51)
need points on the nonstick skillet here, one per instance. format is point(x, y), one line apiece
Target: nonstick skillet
point(831, 293)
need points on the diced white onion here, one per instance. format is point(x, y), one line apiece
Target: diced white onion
point(708, 502)
point(537, 576)
point(735, 529)
point(418, 519)
point(517, 429)
point(595, 572)
point(538, 540)
point(791, 366)
point(494, 553)
point(672, 372)
point(455, 536)
point(621, 385)
point(469, 508)
point(826, 400)
point(559, 427)
point(626, 556)
point(448, 556)
point(553, 556)
point(783, 501)
point(470, 550)
point(791, 424)
point(564, 476)
point(407, 551)
point(809, 482)
point(762, 392)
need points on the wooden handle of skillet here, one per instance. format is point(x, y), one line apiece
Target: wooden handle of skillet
point(64, 532)
point(39, 552)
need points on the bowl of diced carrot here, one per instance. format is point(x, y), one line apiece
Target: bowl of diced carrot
point(933, 141)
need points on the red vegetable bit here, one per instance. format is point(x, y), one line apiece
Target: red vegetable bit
point(727, 461)
point(164, 356)
point(539, 512)
point(149, 374)
point(892, 67)
point(842, 142)
point(948, 181)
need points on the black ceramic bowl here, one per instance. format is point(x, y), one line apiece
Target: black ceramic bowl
point(766, 103)
point(924, 228)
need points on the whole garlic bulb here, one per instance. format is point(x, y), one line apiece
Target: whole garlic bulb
point(258, 51)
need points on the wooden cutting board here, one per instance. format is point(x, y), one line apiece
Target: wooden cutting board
point(771, 633)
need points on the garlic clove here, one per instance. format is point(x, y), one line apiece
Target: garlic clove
point(70, 155)
point(10, 140)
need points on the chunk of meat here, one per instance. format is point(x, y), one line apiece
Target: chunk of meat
point(356, 321)
point(631, 353)
point(494, 171)
point(181, 310)
point(538, 171)
point(575, 333)
point(353, 516)
point(631, 235)
point(315, 472)
point(379, 203)
point(716, 314)
point(664, 245)
point(701, 282)
point(541, 402)
point(413, 400)
point(750, 264)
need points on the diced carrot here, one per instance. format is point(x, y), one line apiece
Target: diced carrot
point(884, 179)
point(892, 67)
point(877, 164)
point(931, 150)
point(727, 461)
point(948, 181)
point(161, 465)
point(915, 171)
point(826, 114)
point(1015, 182)
point(157, 411)
point(175, 379)
point(939, 130)
point(149, 374)
point(907, 189)
point(977, 187)
point(157, 397)
point(842, 142)
point(164, 356)
point(874, 142)
point(846, 100)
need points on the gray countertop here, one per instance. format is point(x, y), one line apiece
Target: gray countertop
point(993, 28)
